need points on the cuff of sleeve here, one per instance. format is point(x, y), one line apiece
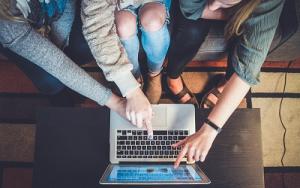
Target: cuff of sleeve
point(105, 97)
point(126, 83)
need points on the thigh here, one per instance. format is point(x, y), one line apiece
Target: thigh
point(78, 49)
point(61, 28)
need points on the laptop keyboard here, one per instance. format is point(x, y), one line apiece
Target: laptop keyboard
point(135, 144)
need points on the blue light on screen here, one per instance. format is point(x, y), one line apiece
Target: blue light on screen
point(153, 173)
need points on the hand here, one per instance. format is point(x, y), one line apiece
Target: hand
point(139, 110)
point(197, 145)
point(24, 7)
point(117, 104)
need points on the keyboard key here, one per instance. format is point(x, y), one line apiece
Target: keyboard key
point(121, 142)
point(163, 142)
point(186, 132)
point(123, 133)
point(147, 142)
point(157, 132)
point(133, 132)
point(132, 142)
point(137, 142)
point(121, 137)
point(139, 132)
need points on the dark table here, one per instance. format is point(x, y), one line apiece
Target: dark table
point(72, 149)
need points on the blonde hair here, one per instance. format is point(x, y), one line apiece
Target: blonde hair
point(5, 11)
point(242, 13)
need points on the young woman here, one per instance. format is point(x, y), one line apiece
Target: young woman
point(149, 17)
point(251, 25)
point(25, 29)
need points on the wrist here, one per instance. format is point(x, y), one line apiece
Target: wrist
point(212, 125)
point(113, 102)
point(133, 93)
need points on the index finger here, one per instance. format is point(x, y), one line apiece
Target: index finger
point(180, 156)
point(148, 124)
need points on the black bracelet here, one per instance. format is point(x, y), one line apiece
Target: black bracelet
point(213, 125)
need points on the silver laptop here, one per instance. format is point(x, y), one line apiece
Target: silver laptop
point(137, 160)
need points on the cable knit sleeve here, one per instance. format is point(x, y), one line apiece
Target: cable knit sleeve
point(100, 32)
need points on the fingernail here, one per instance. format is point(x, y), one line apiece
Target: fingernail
point(150, 136)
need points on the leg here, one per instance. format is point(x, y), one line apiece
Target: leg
point(127, 31)
point(155, 41)
point(78, 49)
point(186, 41)
point(60, 29)
point(45, 82)
point(155, 35)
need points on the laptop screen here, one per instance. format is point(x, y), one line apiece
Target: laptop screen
point(153, 173)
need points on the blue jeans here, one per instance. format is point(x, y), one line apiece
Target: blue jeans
point(155, 44)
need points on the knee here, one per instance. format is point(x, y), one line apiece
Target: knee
point(153, 16)
point(125, 23)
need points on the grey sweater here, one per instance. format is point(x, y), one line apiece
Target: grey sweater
point(25, 41)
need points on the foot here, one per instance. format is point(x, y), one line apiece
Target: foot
point(175, 86)
point(153, 88)
point(212, 97)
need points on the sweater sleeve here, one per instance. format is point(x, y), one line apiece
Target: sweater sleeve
point(100, 32)
point(24, 41)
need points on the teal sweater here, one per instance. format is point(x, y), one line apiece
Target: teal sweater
point(250, 49)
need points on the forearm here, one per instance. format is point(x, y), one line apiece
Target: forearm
point(100, 32)
point(43, 53)
point(232, 95)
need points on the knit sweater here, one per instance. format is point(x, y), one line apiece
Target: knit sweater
point(100, 32)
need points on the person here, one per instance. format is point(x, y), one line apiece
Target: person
point(250, 29)
point(26, 28)
point(99, 30)
point(152, 17)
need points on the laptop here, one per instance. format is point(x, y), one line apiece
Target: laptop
point(137, 160)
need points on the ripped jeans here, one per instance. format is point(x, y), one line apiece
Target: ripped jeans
point(155, 44)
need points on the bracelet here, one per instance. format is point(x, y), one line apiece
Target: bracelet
point(213, 125)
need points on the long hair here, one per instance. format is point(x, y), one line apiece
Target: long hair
point(242, 13)
point(5, 12)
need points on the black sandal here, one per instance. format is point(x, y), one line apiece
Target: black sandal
point(177, 97)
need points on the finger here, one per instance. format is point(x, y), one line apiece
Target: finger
point(149, 129)
point(203, 156)
point(197, 155)
point(180, 156)
point(190, 156)
point(139, 120)
point(128, 115)
point(181, 142)
point(133, 118)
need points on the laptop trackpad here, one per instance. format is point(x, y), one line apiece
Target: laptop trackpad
point(159, 119)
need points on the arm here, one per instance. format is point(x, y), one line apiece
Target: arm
point(100, 32)
point(247, 57)
point(23, 40)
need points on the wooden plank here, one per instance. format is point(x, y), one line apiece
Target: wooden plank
point(13, 80)
point(17, 178)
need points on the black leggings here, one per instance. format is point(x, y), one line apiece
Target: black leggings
point(187, 37)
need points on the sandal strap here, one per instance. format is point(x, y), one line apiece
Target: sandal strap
point(216, 92)
point(182, 93)
point(209, 103)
